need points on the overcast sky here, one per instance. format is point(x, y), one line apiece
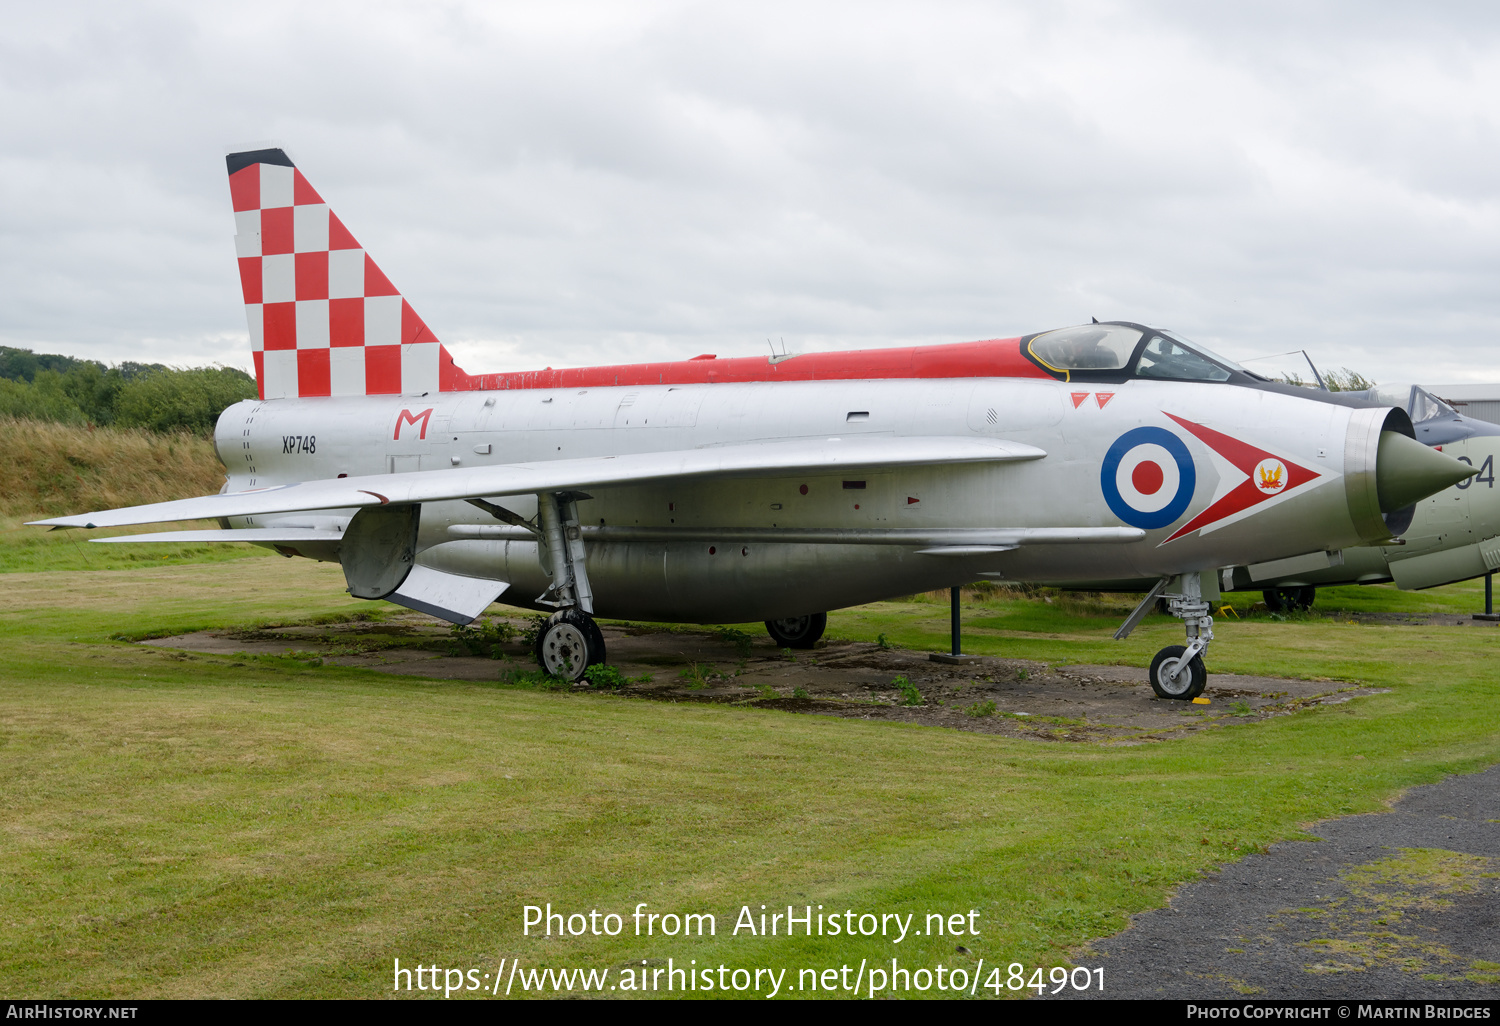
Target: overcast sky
point(564, 184)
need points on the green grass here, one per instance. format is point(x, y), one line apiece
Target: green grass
point(28, 549)
point(180, 825)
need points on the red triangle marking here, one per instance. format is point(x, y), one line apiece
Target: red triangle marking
point(910, 500)
point(1103, 398)
point(1078, 398)
point(1244, 457)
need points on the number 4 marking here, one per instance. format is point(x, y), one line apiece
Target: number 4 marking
point(1486, 475)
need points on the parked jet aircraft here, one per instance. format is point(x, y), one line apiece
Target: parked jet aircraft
point(1454, 535)
point(714, 491)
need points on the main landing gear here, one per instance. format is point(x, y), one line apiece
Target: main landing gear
point(1287, 600)
point(797, 631)
point(1177, 671)
point(570, 641)
point(569, 644)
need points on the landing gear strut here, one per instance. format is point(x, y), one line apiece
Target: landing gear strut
point(570, 642)
point(1178, 672)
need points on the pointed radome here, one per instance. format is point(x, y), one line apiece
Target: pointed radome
point(1407, 471)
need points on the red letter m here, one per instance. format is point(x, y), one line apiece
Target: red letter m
point(407, 418)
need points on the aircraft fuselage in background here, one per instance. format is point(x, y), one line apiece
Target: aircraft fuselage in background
point(1454, 536)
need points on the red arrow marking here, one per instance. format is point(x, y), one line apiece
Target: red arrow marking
point(1244, 457)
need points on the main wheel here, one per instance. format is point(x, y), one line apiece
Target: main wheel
point(569, 644)
point(596, 641)
point(1190, 680)
point(1286, 600)
point(798, 631)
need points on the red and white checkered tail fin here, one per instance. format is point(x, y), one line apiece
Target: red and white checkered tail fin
point(323, 318)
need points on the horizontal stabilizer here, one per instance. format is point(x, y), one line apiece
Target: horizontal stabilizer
point(247, 534)
point(753, 459)
point(447, 596)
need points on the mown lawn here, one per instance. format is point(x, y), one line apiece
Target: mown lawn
point(180, 825)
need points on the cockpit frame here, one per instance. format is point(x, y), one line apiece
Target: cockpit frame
point(1076, 354)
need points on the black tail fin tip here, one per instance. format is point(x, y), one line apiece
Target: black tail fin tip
point(239, 161)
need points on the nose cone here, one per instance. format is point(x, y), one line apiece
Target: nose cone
point(1406, 471)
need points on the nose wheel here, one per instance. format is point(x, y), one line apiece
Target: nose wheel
point(1173, 676)
point(1178, 672)
point(569, 644)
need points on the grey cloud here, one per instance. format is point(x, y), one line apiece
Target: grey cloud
point(579, 184)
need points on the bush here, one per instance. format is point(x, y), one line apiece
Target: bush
point(181, 400)
point(60, 389)
point(44, 399)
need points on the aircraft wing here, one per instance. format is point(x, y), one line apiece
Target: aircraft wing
point(753, 459)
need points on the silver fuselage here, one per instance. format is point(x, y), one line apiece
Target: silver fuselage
point(268, 443)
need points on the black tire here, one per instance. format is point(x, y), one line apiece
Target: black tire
point(596, 640)
point(1185, 687)
point(1287, 600)
point(569, 645)
point(797, 631)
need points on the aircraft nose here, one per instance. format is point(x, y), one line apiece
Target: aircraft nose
point(1407, 471)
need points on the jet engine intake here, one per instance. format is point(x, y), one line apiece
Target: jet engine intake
point(1387, 471)
point(378, 549)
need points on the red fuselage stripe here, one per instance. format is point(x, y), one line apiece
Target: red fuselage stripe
point(995, 358)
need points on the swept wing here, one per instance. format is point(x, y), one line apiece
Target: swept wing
point(754, 459)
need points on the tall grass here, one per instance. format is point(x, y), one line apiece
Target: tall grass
point(53, 469)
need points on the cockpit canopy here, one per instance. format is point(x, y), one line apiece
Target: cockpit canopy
point(1414, 399)
point(1122, 351)
point(1435, 422)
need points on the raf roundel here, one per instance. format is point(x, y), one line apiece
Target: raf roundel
point(1148, 477)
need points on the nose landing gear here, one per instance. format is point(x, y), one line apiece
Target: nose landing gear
point(1178, 672)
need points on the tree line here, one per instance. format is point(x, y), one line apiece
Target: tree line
point(65, 390)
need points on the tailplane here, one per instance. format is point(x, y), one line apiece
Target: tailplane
point(324, 320)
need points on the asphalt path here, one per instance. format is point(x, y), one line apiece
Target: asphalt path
point(1396, 905)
